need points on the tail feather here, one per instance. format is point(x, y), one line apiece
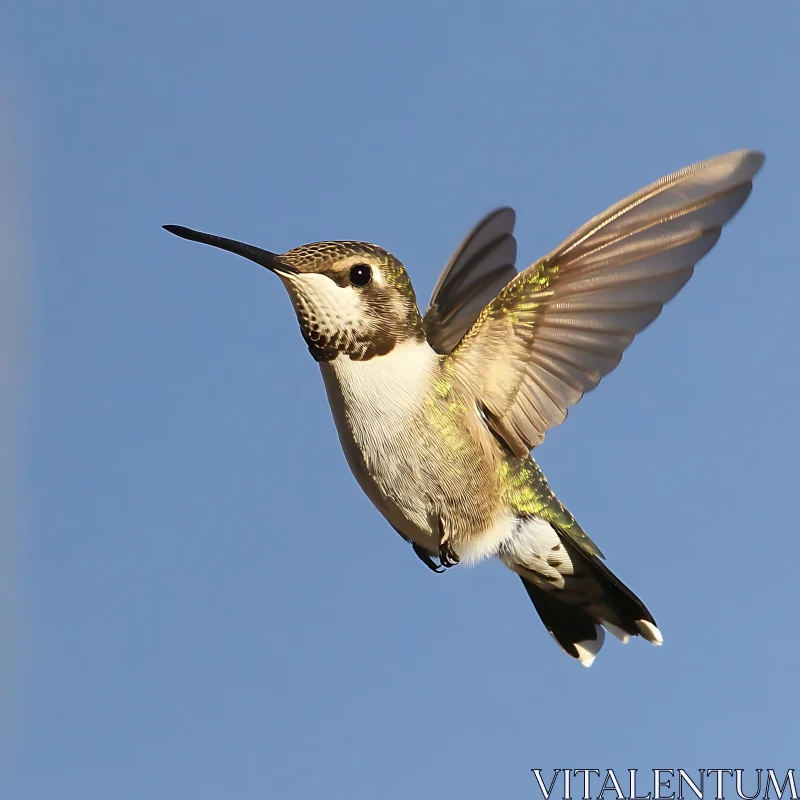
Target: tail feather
point(573, 627)
point(575, 593)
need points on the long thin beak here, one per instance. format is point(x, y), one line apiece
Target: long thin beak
point(262, 257)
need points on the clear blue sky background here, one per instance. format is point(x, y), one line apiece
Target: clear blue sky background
point(206, 605)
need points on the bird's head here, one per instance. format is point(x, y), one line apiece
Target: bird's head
point(351, 298)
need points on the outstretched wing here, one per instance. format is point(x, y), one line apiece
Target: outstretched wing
point(481, 266)
point(563, 323)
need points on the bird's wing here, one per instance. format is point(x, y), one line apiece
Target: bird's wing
point(481, 266)
point(563, 323)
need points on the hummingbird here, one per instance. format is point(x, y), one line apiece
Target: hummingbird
point(437, 414)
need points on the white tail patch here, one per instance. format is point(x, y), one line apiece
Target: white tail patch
point(622, 635)
point(650, 632)
point(589, 648)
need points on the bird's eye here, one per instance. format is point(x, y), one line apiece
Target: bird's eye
point(360, 275)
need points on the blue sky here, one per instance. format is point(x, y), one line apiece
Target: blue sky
point(198, 600)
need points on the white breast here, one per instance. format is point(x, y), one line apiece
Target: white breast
point(375, 405)
point(390, 386)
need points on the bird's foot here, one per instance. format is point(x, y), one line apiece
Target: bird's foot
point(447, 556)
point(425, 558)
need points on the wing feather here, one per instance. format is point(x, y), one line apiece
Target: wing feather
point(478, 270)
point(559, 326)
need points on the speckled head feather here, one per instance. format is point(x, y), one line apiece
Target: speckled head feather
point(338, 316)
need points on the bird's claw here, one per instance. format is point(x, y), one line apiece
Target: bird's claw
point(447, 556)
point(425, 558)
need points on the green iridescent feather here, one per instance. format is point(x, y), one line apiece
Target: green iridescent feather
point(526, 490)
